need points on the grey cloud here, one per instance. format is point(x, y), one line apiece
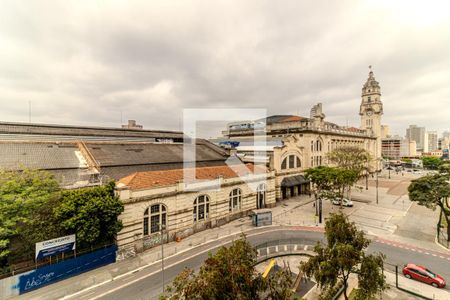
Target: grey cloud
point(84, 63)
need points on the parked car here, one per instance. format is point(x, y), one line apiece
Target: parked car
point(345, 202)
point(420, 273)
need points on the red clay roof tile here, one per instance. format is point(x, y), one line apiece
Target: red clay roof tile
point(151, 179)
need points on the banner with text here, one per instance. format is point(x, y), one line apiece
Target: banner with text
point(55, 246)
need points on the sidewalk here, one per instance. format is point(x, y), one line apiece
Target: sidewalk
point(294, 211)
point(152, 256)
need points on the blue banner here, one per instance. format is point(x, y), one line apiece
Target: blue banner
point(49, 274)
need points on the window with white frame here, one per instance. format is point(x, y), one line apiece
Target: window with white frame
point(235, 200)
point(291, 162)
point(155, 218)
point(201, 208)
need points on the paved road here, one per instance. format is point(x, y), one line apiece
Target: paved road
point(147, 283)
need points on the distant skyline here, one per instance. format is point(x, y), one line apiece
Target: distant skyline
point(93, 63)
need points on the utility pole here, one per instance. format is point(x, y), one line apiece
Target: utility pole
point(377, 181)
point(162, 255)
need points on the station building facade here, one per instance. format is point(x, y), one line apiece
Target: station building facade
point(290, 144)
point(159, 205)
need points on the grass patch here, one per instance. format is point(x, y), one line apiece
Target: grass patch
point(352, 295)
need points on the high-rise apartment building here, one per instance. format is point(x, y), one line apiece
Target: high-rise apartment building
point(432, 141)
point(418, 134)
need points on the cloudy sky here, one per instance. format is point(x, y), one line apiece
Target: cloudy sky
point(89, 62)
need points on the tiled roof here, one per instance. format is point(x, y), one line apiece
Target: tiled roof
point(117, 172)
point(53, 129)
point(151, 179)
point(283, 118)
point(353, 129)
point(17, 155)
point(293, 118)
point(128, 154)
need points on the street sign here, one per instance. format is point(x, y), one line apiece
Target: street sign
point(55, 246)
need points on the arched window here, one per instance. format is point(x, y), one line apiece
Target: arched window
point(235, 200)
point(318, 145)
point(261, 196)
point(291, 162)
point(284, 164)
point(201, 208)
point(157, 215)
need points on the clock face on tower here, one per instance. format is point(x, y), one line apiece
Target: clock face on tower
point(369, 113)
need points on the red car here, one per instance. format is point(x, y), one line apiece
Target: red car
point(423, 274)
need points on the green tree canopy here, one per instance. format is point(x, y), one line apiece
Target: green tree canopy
point(91, 213)
point(430, 162)
point(330, 182)
point(433, 191)
point(26, 201)
point(355, 163)
point(230, 274)
point(351, 158)
point(343, 255)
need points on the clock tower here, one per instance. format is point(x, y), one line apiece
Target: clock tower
point(371, 110)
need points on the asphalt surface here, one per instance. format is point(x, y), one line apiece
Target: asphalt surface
point(147, 283)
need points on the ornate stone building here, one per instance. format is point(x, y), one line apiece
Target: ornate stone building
point(156, 198)
point(295, 143)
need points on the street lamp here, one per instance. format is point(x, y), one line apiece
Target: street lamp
point(161, 228)
point(376, 180)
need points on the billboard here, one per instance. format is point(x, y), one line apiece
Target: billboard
point(55, 246)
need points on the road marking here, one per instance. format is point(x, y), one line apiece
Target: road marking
point(181, 254)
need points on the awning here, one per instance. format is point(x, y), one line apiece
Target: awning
point(293, 181)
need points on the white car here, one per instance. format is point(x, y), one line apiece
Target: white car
point(345, 202)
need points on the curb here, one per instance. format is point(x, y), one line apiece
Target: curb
point(440, 245)
point(275, 228)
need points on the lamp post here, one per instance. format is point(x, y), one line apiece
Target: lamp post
point(162, 227)
point(376, 180)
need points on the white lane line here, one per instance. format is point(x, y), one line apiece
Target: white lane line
point(154, 263)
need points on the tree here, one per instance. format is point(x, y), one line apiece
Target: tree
point(26, 201)
point(90, 213)
point(350, 158)
point(430, 162)
point(230, 274)
point(330, 182)
point(354, 160)
point(433, 191)
point(343, 255)
point(323, 179)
